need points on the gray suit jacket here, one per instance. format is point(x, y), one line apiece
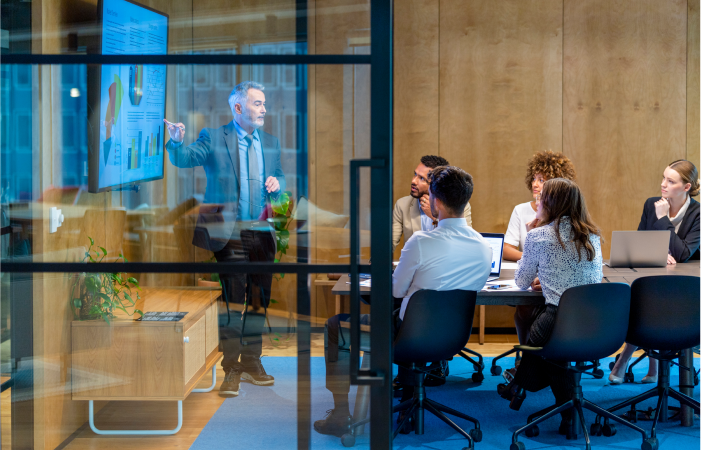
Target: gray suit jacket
point(406, 219)
point(216, 150)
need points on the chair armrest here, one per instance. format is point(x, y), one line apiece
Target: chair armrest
point(527, 348)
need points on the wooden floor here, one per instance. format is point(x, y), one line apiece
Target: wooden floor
point(197, 408)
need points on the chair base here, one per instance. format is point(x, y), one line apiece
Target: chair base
point(478, 365)
point(415, 407)
point(663, 391)
point(577, 403)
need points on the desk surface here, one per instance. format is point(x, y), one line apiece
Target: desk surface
point(611, 275)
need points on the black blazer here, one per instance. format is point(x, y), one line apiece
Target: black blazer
point(683, 245)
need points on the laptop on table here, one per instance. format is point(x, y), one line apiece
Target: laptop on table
point(639, 248)
point(496, 241)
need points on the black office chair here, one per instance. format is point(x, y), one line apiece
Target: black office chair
point(436, 326)
point(591, 324)
point(664, 315)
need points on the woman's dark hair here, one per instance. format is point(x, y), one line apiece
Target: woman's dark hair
point(550, 165)
point(562, 198)
point(433, 161)
point(452, 186)
point(688, 173)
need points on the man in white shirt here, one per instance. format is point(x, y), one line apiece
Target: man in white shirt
point(413, 212)
point(453, 256)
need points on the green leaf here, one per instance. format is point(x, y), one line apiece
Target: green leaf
point(282, 275)
point(276, 339)
point(277, 260)
point(273, 301)
point(277, 334)
point(77, 303)
point(133, 280)
point(104, 252)
point(105, 317)
point(105, 297)
point(91, 241)
point(138, 311)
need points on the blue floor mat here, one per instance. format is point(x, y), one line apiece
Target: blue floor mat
point(266, 417)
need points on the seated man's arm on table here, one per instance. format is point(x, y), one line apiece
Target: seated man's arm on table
point(409, 262)
point(192, 155)
point(527, 269)
point(397, 225)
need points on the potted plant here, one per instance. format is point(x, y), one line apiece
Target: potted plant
point(98, 295)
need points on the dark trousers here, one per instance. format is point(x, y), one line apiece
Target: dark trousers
point(337, 353)
point(535, 373)
point(240, 335)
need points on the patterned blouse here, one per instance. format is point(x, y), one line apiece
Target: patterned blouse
point(558, 269)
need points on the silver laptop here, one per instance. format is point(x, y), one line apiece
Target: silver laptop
point(496, 241)
point(639, 248)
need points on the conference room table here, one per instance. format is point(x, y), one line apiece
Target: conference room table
point(610, 275)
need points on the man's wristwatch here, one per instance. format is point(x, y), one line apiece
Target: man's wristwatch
point(435, 222)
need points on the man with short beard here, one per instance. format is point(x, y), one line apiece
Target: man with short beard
point(244, 174)
point(413, 213)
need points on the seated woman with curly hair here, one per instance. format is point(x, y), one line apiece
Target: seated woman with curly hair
point(543, 166)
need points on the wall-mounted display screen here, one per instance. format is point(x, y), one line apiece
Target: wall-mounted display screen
point(131, 100)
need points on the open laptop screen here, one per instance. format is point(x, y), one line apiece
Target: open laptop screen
point(496, 241)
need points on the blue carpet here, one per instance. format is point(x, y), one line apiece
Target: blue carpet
point(266, 417)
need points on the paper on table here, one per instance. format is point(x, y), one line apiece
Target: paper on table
point(510, 283)
point(364, 283)
point(509, 265)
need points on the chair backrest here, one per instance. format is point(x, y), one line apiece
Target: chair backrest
point(591, 322)
point(664, 312)
point(437, 325)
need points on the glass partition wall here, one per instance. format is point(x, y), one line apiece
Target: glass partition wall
point(150, 265)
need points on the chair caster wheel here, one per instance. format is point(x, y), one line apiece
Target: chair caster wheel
point(532, 431)
point(495, 370)
point(650, 444)
point(611, 365)
point(598, 374)
point(518, 445)
point(477, 377)
point(477, 367)
point(595, 429)
point(476, 434)
point(609, 430)
point(628, 377)
point(348, 440)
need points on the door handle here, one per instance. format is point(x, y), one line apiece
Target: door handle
point(358, 376)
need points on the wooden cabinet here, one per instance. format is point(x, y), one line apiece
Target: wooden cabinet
point(131, 360)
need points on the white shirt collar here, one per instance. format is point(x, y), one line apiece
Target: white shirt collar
point(241, 133)
point(458, 222)
point(677, 220)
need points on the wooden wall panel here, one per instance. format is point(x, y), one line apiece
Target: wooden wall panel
point(500, 96)
point(416, 100)
point(693, 87)
point(624, 102)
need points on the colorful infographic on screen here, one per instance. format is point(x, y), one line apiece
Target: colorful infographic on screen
point(132, 97)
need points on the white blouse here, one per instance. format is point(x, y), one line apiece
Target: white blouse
point(516, 232)
point(558, 269)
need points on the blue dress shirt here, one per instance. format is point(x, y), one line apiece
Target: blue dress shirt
point(426, 222)
point(244, 213)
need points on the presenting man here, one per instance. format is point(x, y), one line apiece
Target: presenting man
point(243, 169)
point(413, 213)
point(453, 256)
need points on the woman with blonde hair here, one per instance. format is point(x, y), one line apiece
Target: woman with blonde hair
point(677, 212)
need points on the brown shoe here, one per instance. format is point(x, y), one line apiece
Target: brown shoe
point(254, 372)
